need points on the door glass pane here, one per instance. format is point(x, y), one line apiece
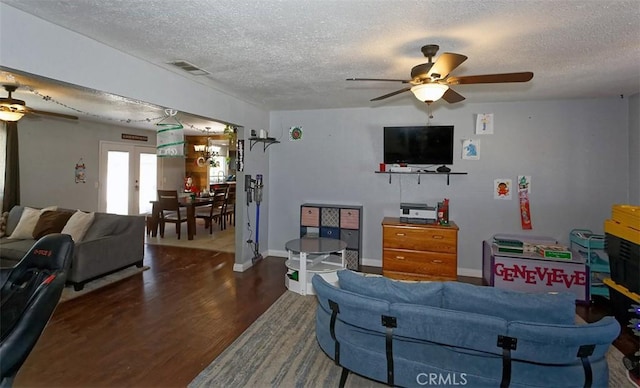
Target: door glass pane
point(148, 173)
point(118, 182)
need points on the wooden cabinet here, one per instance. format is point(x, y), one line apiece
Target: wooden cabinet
point(418, 251)
point(342, 222)
point(200, 174)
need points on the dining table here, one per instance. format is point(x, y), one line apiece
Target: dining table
point(190, 203)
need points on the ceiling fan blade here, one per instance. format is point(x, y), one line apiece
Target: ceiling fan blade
point(445, 65)
point(61, 115)
point(378, 79)
point(451, 96)
point(391, 94)
point(490, 78)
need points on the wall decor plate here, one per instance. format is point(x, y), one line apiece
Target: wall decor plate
point(295, 133)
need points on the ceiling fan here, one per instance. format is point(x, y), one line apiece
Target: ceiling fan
point(431, 81)
point(12, 109)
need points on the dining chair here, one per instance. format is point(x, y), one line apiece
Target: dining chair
point(229, 211)
point(213, 212)
point(170, 210)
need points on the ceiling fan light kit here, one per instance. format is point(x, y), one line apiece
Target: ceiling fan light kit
point(429, 92)
point(430, 81)
point(11, 112)
point(12, 109)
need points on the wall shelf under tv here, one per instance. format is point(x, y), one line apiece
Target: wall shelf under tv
point(418, 173)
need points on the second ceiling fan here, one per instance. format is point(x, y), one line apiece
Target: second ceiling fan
point(430, 81)
point(12, 109)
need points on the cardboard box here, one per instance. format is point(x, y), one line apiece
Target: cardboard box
point(554, 251)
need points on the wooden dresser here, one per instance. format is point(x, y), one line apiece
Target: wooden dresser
point(419, 252)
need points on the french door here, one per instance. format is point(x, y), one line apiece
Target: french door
point(128, 178)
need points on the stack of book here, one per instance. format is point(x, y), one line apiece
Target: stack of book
point(507, 245)
point(554, 251)
point(547, 249)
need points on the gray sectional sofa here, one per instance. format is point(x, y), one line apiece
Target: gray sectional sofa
point(449, 333)
point(111, 243)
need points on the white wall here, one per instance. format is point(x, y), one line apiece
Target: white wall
point(634, 150)
point(35, 46)
point(575, 151)
point(49, 150)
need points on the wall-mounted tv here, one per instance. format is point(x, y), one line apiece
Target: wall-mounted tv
point(419, 144)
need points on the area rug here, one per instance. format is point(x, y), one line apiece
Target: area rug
point(69, 293)
point(280, 350)
point(219, 240)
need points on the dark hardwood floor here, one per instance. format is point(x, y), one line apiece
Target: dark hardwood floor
point(160, 328)
point(156, 329)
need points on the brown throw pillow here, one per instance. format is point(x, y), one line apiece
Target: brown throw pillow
point(51, 222)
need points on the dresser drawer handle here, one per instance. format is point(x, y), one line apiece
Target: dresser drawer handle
point(400, 234)
point(437, 261)
point(400, 257)
point(437, 237)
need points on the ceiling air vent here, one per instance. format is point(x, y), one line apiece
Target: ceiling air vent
point(189, 68)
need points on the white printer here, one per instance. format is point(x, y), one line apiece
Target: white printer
point(418, 213)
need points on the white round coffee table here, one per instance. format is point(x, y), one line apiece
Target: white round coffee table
point(310, 256)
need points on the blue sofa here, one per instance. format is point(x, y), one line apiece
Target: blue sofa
point(449, 333)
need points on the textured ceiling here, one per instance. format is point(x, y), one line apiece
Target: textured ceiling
point(296, 54)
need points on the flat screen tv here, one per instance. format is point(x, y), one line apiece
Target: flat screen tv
point(419, 144)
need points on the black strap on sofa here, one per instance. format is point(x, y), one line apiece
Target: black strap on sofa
point(390, 323)
point(335, 310)
point(507, 344)
point(510, 343)
point(583, 353)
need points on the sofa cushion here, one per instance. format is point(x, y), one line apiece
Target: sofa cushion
point(14, 217)
point(510, 305)
point(15, 249)
point(104, 224)
point(50, 222)
point(424, 293)
point(28, 221)
point(3, 224)
point(78, 225)
point(363, 311)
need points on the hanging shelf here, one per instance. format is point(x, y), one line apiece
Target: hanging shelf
point(266, 142)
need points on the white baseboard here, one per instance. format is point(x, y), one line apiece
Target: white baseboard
point(277, 253)
point(475, 273)
point(242, 267)
point(248, 264)
point(371, 262)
